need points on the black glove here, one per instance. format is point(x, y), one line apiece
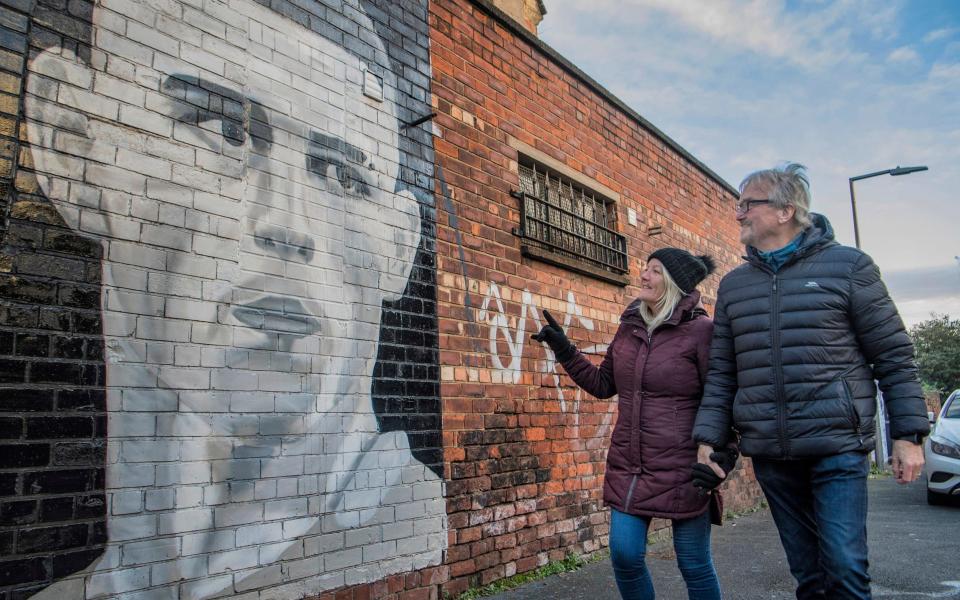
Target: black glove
point(725, 457)
point(704, 477)
point(553, 335)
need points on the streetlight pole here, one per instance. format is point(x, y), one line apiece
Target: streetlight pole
point(898, 170)
point(881, 425)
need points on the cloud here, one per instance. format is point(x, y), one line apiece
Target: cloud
point(826, 83)
point(904, 55)
point(945, 72)
point(932, 283)
point(812, 39)
point(940, 34)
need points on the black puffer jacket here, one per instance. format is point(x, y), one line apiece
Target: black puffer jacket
point(795, 354)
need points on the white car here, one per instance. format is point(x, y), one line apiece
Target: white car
point(942, 453)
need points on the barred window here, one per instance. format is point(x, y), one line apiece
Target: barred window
point(565, 224)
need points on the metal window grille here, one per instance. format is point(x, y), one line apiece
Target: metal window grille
point(566, 219)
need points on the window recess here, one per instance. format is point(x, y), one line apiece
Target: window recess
point(567, 225)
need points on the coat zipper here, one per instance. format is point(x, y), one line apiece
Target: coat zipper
point(635, 417)
point(777, 367)
point(633, 482)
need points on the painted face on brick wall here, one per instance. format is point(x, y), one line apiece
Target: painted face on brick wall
point(244, 188)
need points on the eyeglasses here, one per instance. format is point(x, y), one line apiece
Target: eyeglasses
point(744, 207)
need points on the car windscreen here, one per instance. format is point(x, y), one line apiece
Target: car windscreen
point(953, 407)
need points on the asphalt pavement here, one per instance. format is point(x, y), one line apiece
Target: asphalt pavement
point(914, 552)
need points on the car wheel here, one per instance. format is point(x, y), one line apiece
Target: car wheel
point(935, 499)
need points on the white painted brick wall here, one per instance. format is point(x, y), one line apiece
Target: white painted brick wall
point(242, 460)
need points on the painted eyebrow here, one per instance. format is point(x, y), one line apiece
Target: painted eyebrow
point(210, 86)
point(257, 112)
point(319, 142)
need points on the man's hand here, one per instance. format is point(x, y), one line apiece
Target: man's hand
point(713, 466)
point(907, 460)
point(704, 458)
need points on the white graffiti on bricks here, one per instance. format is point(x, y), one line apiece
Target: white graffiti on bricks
point(499, 326)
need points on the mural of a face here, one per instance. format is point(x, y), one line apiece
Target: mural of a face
point(244, 189)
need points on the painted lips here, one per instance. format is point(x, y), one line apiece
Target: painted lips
point(277, 313)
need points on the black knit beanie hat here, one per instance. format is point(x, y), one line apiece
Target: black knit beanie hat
point(685, 269)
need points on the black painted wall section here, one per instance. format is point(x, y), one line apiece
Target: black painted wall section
point(406, 389)
point(52, 401)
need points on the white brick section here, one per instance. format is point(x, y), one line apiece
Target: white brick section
point(133, 10)
point(258, 578)
point(125, 503)
point(149, 36)
point(146, 120)
point(342, 559)
point(119, 46)
point(285, 509)
point(211, 587)
point(118, 89)
point(259, 534)
point(150, 451)
point(115, 582)
point(135, 254)
point(105, 176)
point(140, 163)
point(169, 192)
point(205, 22)
point(131, 528)
point(238, 515)
point(178, 570)
point(182, 521)
point(180, 30)
point(201, 543)
point(233, 560)
point(139, 553)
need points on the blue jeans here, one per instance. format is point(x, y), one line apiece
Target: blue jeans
point(691, 541)
point(820, 508)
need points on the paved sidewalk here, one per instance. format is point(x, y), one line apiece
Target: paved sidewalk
point(913, 555)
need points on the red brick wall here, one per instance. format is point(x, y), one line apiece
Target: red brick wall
point(524, 451)
point(525, 468)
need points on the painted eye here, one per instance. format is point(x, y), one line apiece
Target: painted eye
point(351, 181)
point(232, 131)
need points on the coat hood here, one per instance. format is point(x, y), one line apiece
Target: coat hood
point(817, 236)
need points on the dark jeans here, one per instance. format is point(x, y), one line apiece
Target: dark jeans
point(691, 541)
point(820, 508)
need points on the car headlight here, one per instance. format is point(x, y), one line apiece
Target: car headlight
point(944, 449)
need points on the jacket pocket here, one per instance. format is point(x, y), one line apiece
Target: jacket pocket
point(839, 377)
point(849, 405)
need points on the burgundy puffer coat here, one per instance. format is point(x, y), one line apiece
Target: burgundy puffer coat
point(659, 379)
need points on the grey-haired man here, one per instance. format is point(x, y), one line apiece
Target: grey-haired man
point(801, 332)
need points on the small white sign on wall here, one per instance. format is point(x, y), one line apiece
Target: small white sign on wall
point(632, 217)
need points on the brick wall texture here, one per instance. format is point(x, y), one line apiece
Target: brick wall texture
point(524, 448)
point(260, 337)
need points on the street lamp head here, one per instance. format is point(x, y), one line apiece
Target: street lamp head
point(906, 170)
point(898, 170)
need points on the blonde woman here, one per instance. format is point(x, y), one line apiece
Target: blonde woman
point(657, 363)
